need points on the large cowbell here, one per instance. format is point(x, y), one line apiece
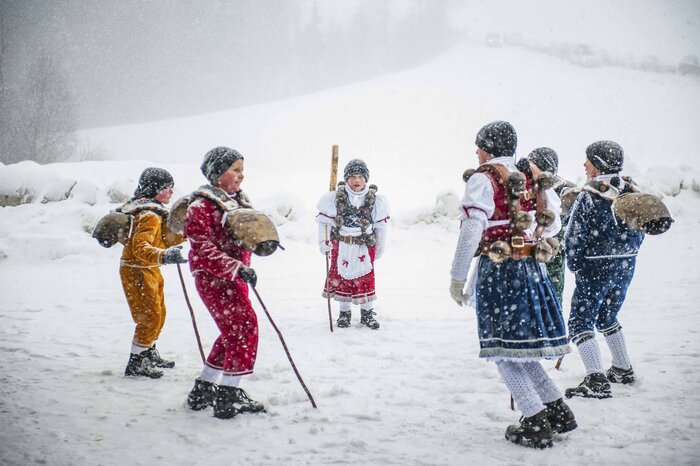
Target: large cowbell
point(253, 230)
point(178, 215)
point(249, 228)
point(113, 228)
point(643, 212)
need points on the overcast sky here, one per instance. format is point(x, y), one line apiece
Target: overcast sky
point(131, 61)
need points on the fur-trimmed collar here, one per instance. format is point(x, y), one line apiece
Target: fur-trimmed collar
point(136, 205)
point(601, 186)
point(222, 199)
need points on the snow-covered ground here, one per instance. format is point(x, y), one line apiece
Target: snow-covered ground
point(413, 392)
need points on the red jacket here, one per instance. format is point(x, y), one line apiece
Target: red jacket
point(212, 248)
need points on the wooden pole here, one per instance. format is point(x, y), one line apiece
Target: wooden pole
point(194, 321)
point(331, 187)
point(286, 350)
point(328, 297)
point(334, 168)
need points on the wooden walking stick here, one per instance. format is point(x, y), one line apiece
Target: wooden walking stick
point(286, 350)
point(194, 322)
point(328, 297)
point(557, 366)
point(334, 168)
point(331, 187)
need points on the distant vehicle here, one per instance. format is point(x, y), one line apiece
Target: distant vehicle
point(494, 40)
point(583, 55)
point(689, 65)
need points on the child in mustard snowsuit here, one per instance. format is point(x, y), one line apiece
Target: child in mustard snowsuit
point(149, 246)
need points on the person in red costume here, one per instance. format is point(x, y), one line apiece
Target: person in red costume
point(222, 272)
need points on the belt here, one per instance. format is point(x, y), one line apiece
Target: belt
point(515, 253)
point(350, 239)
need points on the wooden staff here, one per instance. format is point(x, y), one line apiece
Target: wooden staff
point(331, 187)
point(334, 169)
point(194, 321)
point(286, 350)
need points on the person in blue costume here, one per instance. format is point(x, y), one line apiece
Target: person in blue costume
point(518, 314)
point(601, 251)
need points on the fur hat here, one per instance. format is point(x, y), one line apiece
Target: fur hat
point(152, 181)
point(545, 159)
point(606, 156)
point(217, 161)
point(356, 167)
point(498, 138)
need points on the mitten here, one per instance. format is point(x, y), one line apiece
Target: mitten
point(248, 275)
point(173, 255)
point(457, 291)
point(325, 247)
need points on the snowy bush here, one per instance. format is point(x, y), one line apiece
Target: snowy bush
point(282, 207)
point(59, 190)
point(691, 178)
point(89, 220)
point(667, 179)
point(445, 208)
point(85, 191)
point(22, 195)
point(120, 191)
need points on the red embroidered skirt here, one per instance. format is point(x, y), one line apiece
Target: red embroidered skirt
point(357, 291)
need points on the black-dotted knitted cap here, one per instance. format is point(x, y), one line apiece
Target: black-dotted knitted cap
point(545, 159)
point(498, 138)
point(356, 167)
point(217, 161)
point(606, 156)
point(152, 181)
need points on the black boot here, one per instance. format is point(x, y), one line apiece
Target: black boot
point(594, 385)
point(140, 364)
point(157, 361)
point(617, 375)
point(560, 417)
point(202, 395)
point(533, 431)
point(344, 319)
point(230, 401)
point(367, 318)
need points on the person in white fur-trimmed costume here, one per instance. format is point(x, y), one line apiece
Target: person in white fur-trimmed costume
point(352, 225)
point(518, 314)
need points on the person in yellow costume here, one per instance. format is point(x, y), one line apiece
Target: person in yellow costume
point(149, 246)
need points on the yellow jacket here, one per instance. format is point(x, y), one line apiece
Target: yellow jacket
point(149, 239)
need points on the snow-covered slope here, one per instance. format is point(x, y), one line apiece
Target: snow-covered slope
point(413, 392)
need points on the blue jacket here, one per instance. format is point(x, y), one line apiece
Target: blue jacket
point(595, 232)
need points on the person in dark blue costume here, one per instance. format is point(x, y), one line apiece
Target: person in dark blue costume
point(519, 316)
point(601, 250)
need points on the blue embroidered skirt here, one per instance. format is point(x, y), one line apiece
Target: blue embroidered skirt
point(518, 314)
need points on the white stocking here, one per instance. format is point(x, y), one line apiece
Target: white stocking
point(618, 349)
point(544, 385)
point(520, 387)
point(590, 354)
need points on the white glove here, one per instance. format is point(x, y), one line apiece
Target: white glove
point(378, 253)
point(325, 247)
point(380, 240)
point(457, 291)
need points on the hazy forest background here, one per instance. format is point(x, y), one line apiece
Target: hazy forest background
point(77, 64)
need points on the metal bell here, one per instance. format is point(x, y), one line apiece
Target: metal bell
point(543, 251)
point(545, 218)
point(522, 220)
point(499, 251)
point(545, 181)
